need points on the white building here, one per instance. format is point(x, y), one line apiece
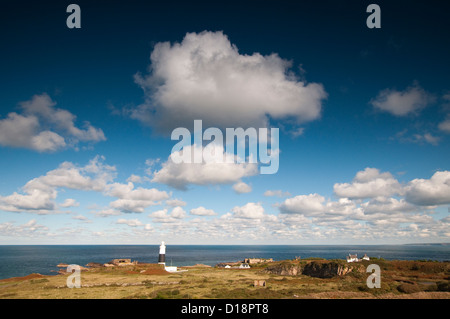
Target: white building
point(171, 268)
point(244, 266)
point(352, 258)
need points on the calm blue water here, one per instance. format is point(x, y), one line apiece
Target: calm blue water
point(24, 260)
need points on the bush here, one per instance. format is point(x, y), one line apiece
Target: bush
point(408, 288)
point(443, 286)
point(38, 281)
point(415, 267)
point(314, 258)
point(363, 288)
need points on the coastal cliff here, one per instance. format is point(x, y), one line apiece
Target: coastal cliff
point(318, 269)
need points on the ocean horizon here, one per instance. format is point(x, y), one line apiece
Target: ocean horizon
point(22, 260)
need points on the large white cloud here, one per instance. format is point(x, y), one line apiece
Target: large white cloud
point(39, 194)
point(387, 205)
point(29, 229)
point(303, 204)
point(202, 211)
point(44, 128)
point(429, 192)
point(368, 184)
point(315, 205)
point(249, 210)
point(162, 216)
point(205, 77)
point(180, 175)
point(401, 103)
point(131, 200)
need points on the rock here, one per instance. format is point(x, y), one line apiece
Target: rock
point(284, 269)
point(408, 288)
point(94, 265)
point(319, 269)
point(326, 270)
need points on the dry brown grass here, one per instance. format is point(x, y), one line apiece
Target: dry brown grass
point(150, 281)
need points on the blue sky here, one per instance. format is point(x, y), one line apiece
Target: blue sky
point(86, 116)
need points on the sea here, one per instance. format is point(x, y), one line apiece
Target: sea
point(22, 260)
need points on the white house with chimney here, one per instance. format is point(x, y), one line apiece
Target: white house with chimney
point(354, 258)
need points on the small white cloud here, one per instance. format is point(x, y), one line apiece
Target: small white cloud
point(178, 212)
point(277, 193)
point(69, 202)
point(106, 212)
point(403, 137)
point(401, 103)
point(130, 222)
point(175, 202)
point(82, 218)
point(445, 125)
point(298, 132)
point(242, 188)
point(428, 138)
point(134, 179)
point(202, 211)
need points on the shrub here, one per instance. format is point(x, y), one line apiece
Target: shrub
point(363, 288)
point(38, 281)
point(415, 267)
point(443, 286)
point(408, 288)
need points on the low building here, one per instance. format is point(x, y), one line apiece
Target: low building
point(244, 266)
point(352, 258)
point(257, 260)
point(171, 268)
point(121, 262)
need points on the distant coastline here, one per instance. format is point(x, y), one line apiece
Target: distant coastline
point(428, 244)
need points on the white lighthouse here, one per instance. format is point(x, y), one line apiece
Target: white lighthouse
point(162, 254)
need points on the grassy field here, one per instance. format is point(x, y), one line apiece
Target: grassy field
point(399, 279)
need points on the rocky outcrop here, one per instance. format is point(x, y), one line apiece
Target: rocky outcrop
point(326, 270)
point(317, 269)
point(284, 269)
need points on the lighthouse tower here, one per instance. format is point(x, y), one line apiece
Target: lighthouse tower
point(162, 254)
